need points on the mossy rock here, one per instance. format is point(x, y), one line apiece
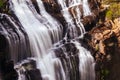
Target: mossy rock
point(4, 7)
point(1, 3)
point(113, 11)
point(109, 14)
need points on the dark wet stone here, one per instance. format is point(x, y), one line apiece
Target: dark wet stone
point(9, 72)
point(31, 72)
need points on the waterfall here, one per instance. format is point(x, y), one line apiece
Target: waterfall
point(78, 64)
point(37, 27)
point(16, 38)
point(86, 8)
point(71, 12)
point(86, 65)
point(38, 35)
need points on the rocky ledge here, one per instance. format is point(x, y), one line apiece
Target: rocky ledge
point(105, 40)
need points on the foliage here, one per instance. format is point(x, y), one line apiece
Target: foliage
point(4, 7)
point(109, 14)
point(1, 3)
point(114, 9)
point(110, 1)
point(104, 73)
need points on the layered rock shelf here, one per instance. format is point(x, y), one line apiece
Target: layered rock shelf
point(106, 42)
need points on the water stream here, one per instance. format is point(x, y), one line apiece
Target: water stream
point(39, 36)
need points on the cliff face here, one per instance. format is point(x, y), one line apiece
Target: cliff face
point(106, 42)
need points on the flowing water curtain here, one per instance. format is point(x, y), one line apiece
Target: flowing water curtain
point(86, 63)
point(71, 31)
point(77, 62)
point(36, 26)
point(86, 8)
point(55, 26)
point(17, 43)
point(72, 14)
point(37, 29)
point(68, 56)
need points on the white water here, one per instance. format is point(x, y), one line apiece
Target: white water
point(38, 33)
point(73, 10)
point(40, 27)
point(17, 45)
point(86, 8)
point(46, 66)
point(86, 66)
point(55, 26)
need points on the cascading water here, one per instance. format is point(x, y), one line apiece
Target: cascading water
point(86, 8)
point(37, 28)
point(72, 11)
point(68, 60)
point(86, 65)
point(77, 62)
point(18, 44)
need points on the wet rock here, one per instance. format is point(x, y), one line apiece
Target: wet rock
point(98, 36)
point(28, 70)
point(106, 32)
point(69, 56)
point(105, 41)
point(103, 33)
point(89, 21)
point(102, 47)
point(10, 73)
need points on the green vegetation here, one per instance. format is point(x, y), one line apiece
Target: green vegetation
point(104, 73)
point(109, 14)
point(114, 9)
point(1, 3)
point(4, 6)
